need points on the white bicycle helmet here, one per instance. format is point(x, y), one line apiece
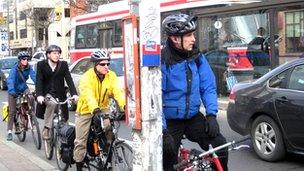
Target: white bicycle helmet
point(99, 55)
point(179, 24)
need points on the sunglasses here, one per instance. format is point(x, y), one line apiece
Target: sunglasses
point(104, 64)
point(24, 59)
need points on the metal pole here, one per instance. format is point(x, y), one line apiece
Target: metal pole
point(147, 141)
point(8, 28)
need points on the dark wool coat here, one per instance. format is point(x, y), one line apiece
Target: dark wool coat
point(47, 80)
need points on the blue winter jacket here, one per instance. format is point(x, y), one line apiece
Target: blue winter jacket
point(184, 89)
point(15, 84)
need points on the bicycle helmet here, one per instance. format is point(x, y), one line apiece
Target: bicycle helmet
point(179, 24)
point(53, 48)
point(23, 54)
point(99, 55)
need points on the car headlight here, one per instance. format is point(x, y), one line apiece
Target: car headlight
point(6, 75)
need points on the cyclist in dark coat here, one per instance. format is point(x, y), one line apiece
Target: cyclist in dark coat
point(187, 81)
point(51, 75)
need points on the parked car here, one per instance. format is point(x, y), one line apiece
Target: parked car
point(271, 110)
point(79, 67)
point(6, 63)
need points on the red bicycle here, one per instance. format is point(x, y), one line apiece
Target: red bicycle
point(195, 160)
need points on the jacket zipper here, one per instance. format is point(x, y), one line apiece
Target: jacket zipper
point(104, 95)
point(189, 84)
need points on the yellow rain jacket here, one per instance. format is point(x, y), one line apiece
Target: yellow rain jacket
point(94, 94)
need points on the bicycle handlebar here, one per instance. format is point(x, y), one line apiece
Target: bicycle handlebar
point(231, 143)
point(58, 102)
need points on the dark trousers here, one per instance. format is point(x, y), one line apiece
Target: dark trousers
point(12, 111)
point(194, 129)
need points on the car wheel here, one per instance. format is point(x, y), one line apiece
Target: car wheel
point(71, 105)
point(2, 85)
point(267, 139)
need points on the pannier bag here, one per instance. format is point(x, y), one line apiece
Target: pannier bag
point(67, 137)
point(5, 113)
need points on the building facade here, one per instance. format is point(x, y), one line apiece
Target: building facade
point(34, 24)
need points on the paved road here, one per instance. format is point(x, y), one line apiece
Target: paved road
point(244, 159)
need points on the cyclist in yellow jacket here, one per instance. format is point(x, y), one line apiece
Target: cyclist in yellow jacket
point(95, 88)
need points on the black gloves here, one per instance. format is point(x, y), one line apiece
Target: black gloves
point(211, 126)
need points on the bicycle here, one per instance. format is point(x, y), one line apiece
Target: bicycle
point(118, 155)
point(58, 121)
point(195, 160)
point(25, 118)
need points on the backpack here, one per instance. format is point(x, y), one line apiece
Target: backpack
point(67, 137)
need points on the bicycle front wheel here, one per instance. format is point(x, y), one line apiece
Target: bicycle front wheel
point(36, 132)
point(19, 129)
point(122, 157)
point(49, 145)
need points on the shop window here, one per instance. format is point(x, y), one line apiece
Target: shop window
point(294, 31)
point(236, 44)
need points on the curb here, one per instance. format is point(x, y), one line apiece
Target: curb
point(32, 157)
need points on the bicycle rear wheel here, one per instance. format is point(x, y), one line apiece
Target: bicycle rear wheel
point(20, 131)
point(36, 132)
point(49, 145)
point(122, 157)
point(58, 153)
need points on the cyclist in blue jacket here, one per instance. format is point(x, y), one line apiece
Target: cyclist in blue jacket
point(17, 85)
point(187, 81)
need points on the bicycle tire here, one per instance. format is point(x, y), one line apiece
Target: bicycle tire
point(122, 157)
point(36, 132)
point(49, 145)
point(18, 128)
point(60, 164)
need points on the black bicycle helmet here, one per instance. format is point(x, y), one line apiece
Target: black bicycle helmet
point(179, 24)
point(53, 48)
point(99, 55)
point(23, 54)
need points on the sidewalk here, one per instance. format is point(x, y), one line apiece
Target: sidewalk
point(15, 158)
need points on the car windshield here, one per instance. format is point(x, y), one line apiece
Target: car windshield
point(8, 63)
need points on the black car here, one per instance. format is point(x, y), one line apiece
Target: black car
point(6, 63)
point(271, 110)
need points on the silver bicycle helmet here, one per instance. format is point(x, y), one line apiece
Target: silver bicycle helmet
point(23, 54)
point(179, 24)
point(99, 55)
point(53, 48)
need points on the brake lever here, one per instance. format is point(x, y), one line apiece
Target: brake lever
point(240, 146)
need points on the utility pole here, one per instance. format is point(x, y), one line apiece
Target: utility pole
point(8, 27)
point(147, 125)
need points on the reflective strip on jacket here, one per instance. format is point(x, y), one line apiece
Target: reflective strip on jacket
point(15, 84)
point(182, 96)
point(94, 94)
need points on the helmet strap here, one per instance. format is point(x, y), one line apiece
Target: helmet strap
point(182, 42)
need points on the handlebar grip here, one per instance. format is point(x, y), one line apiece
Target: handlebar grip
point(243, 139)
